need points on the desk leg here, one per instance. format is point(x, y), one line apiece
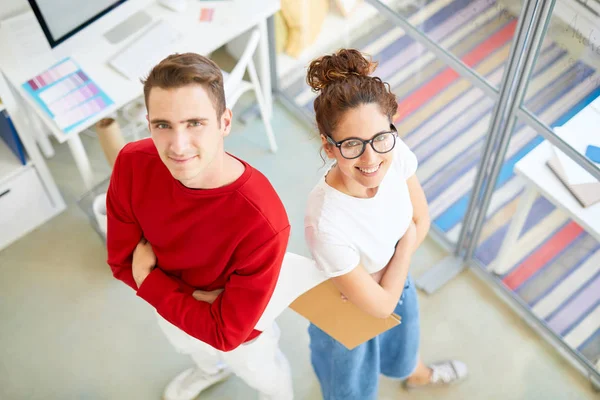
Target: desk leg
point(81, 160)
point(41, 136)
point(500, 265)
point(264, 68)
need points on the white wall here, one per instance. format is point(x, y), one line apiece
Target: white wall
point(10, 8)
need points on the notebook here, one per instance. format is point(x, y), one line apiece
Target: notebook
point(587, 194)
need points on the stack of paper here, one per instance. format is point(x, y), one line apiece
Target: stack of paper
point(584, 187)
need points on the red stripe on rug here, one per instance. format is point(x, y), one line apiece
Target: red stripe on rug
point(445, 78)
point(543, 255)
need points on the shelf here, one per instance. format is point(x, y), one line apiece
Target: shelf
point(9, 163)
point(336, 31)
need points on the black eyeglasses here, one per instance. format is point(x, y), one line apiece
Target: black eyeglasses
point(351, 148)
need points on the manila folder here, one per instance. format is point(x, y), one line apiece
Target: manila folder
point(323, 306)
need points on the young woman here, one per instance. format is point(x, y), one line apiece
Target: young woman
point(364, 220)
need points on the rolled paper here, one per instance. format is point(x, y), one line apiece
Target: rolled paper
point(111, 138)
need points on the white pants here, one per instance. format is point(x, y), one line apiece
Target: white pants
point(260, 363)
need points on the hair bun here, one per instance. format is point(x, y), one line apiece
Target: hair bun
point(338, 67)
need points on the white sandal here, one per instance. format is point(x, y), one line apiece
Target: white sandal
point(443, 374)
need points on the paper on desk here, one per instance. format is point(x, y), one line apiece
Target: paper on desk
point(578, 138)
point(596, 105)
point(298, 275)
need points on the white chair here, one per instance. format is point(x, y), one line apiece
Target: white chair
point(235, 85)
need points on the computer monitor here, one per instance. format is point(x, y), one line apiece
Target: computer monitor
point(63, 19)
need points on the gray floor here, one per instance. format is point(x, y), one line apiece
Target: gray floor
point(71, 331)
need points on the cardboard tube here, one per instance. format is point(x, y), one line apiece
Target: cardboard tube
point(110, 137)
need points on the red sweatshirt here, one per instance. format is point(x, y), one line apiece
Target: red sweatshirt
point(232, 238)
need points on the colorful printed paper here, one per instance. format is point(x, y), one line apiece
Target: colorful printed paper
point(67, 94)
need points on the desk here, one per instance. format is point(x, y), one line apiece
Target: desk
point(232, 18)
point(540, 180)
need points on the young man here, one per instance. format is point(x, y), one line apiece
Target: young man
point(199, 234)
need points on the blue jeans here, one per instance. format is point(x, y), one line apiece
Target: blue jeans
point(354, 374)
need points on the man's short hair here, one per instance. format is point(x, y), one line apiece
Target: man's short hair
point(179, 70)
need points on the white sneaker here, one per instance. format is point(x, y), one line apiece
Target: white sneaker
point(191, 382)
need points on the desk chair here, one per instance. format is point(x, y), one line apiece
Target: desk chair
point(235, 85)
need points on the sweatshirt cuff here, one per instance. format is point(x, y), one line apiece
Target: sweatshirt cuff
point(156, 286)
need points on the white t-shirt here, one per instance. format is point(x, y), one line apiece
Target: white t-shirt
point(344, 231)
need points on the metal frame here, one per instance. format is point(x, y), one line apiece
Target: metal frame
point(539, 23)
point(507, 96)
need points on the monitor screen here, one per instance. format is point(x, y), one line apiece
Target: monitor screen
point(61, 19)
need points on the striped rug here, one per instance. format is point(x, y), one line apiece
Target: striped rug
point(444, 119)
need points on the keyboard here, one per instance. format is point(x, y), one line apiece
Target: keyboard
point(137, 59)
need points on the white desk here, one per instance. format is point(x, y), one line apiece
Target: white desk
point(231, 19)
point(539, 179)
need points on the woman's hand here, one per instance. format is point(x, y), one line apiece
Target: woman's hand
point(208, 297)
